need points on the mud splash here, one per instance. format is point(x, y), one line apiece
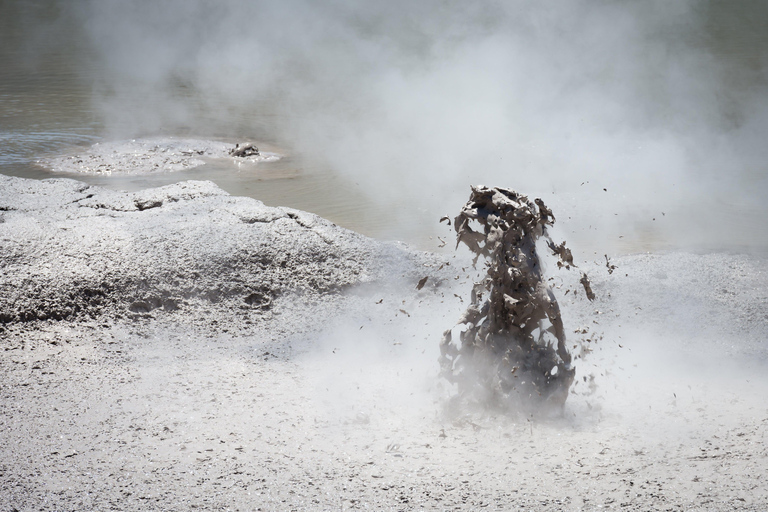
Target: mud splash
point(512, 352)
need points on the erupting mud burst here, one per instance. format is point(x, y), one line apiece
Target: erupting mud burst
point(512, 351)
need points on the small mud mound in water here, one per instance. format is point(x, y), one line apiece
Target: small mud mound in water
point(153, 155)
point(512, 350)
point(245, 150)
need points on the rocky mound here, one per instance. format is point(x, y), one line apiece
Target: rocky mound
point(69, 250)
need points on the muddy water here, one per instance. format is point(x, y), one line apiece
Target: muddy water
point(47, 107)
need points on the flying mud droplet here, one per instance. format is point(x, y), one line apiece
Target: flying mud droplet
point(512, 349)
point(587, 287)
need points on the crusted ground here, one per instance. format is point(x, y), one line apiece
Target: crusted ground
point(327, 395)
point(71, 251)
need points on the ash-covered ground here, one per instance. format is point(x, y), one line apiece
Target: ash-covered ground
point(180, 348)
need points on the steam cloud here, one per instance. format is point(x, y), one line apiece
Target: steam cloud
point(651, 101)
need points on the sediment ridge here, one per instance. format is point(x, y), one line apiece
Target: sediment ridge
point(72, 251)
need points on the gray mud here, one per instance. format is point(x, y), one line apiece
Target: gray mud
point(179, 348)
point(152, 155)
point(512, 350)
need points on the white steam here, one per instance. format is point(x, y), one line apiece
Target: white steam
point(416, 100)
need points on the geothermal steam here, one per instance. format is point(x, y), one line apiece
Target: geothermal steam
point(512, 350)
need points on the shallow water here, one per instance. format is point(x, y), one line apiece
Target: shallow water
point(48, 105)
point(46, 109)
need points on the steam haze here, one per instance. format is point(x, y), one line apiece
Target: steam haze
point(660, 103)
point(177, 348)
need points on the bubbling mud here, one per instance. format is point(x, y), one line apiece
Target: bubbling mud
point(512, 350)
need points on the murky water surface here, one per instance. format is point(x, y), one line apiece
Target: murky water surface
point(46, 108)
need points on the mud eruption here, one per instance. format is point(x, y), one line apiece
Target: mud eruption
point(512, 352)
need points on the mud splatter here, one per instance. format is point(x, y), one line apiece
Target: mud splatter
point(512, 349)
point(244, 150)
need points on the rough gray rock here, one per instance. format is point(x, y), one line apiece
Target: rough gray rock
point(69, 250)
